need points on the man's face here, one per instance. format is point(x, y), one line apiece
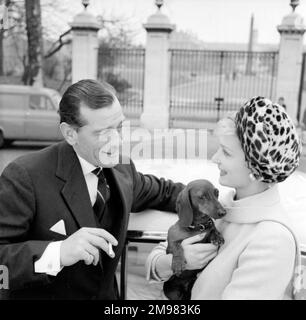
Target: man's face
point(98, 141)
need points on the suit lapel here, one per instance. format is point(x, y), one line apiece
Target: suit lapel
point(74, 192)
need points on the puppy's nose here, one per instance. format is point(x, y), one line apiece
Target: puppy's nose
point(221, 213)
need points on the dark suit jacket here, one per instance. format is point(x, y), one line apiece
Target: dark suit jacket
point(38, 190)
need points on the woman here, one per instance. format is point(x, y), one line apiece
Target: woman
point(259, 148)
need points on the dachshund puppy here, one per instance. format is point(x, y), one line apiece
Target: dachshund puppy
point(196, 205)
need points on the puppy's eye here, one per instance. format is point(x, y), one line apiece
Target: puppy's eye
point(216, 192)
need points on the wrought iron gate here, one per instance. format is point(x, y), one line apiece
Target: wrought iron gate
point(124, 69)
point(204, 85)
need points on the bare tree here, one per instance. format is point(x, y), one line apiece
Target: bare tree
point(1, 51)
point(8, 4)
point(66, 75)
point(116, 32)
point(58, 44)
point(1, 43)
point(35, 43)
point(27, 24)
point(16, 35)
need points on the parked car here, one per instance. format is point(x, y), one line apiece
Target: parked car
point(28, 113)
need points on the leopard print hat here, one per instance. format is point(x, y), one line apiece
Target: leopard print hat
point(269, 140)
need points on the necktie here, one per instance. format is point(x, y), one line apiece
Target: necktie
point(103, 194)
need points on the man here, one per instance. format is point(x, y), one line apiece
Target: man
point(63, 208)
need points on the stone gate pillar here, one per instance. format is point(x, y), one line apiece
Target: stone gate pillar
point(291, 32)
point(157, 72)
point(85, 45)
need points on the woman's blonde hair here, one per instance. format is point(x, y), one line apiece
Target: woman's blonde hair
point(226, 126)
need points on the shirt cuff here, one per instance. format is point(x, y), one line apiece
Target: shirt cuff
point(49, 262)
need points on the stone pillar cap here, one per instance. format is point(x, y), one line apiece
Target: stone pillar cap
point(292, 23)
point(159, 22)
point(85, 20)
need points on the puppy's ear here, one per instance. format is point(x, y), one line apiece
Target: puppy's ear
point(184, 209)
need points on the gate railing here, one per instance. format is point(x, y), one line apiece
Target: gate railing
point(204, 85)
point(124, 69)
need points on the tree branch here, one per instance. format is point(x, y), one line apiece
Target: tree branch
point(57, 45)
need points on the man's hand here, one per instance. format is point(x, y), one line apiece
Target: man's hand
point(84, 244)
point(197, 255)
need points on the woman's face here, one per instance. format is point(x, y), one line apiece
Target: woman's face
point(230, 159)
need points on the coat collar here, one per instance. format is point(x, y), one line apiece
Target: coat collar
point(86, 166)
point(75, 191)
point(256, 208)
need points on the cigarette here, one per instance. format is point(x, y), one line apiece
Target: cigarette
point(110, 250)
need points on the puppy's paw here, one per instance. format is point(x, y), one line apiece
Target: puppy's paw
point(216, 238)
point(218, 241)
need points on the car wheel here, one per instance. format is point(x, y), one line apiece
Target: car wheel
point(1, 139)
point(8, 142)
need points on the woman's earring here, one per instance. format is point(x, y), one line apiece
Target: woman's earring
point(251, 176)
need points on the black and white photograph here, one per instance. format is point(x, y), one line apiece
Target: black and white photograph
point(152, 150)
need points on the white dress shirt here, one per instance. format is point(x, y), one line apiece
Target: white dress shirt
point(49, 262)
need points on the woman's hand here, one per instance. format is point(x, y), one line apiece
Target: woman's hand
point(197, 255)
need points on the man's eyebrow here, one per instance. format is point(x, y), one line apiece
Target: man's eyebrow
point(120, 124)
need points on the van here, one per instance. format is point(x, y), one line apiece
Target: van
point(28, 113)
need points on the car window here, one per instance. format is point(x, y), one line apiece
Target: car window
point(49, 104)
point(12, 101)
point(38, 102)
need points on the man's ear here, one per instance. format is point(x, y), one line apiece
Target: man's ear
point(69, 133)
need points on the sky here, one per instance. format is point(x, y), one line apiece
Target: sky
point(209, 20)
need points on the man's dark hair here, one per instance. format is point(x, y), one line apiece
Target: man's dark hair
point(92, 93)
